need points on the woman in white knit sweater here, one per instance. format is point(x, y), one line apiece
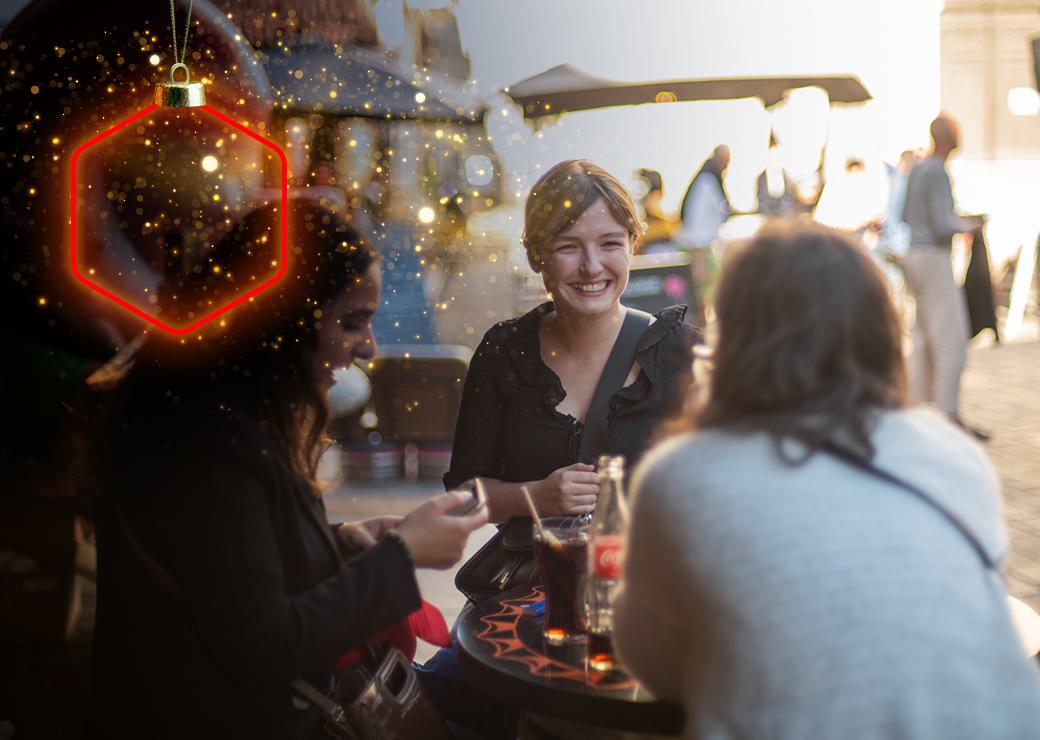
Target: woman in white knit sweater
point(777, 590)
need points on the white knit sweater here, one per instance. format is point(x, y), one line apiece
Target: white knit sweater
point(818, 601)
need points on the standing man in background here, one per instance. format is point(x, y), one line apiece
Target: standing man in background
point(940, 332)
point(704, 209)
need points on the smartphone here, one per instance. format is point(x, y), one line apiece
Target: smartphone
point(478, 498)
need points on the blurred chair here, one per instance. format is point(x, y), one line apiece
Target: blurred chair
point(416, 394)
point(417, 391)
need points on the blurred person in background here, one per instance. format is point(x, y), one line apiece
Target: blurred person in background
point(781, 581)
point(895, 236)
point(854, 202)
point(705, 207)
point(660, 226)
point(220, 580)
point(941, 326)
point(775, 191)
point(894, 239)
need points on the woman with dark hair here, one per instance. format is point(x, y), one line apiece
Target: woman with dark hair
point(809, 557)
point(220, 580)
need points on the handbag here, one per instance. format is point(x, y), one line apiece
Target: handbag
point(383, 699)
point(379, 697)
point(507, 559)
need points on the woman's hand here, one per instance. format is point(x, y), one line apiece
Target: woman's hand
point(567, 491)
point(356, 537)
point(434, 538)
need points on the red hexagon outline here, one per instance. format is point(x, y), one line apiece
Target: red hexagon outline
point(179, 331)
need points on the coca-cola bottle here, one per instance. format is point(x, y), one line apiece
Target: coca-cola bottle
point(606, 553)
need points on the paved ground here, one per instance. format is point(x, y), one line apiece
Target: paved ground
point(1001, 395)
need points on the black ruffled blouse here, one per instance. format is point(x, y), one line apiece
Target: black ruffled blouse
point(509, 428)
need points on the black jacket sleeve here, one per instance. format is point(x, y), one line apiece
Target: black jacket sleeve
point(477, 448)
point(220, 539)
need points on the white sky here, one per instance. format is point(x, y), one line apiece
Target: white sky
point(892, 45)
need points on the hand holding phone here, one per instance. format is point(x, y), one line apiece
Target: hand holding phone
point(478, 498)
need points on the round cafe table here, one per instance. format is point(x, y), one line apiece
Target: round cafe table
point(501, 650)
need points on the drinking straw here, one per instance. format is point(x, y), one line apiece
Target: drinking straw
point(549, 537)
point(534, 511)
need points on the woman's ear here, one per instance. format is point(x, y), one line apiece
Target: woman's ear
point(534, 261)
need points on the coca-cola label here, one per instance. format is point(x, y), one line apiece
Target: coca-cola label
point(608, 555)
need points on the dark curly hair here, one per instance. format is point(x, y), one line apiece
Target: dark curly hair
point(809, 344)
point(255, 359)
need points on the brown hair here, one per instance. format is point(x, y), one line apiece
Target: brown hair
point(809, 343)
point(565, 192)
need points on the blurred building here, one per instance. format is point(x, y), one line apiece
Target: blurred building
point(988, 77)
point(989, 83)
point(271, 23)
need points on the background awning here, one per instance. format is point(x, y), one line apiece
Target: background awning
point(565, 88)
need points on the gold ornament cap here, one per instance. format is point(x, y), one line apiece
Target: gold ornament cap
point(174, 94)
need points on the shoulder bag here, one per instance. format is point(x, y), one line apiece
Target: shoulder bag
point(507, 559)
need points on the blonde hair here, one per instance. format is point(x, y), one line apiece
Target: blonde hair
point(565, 192)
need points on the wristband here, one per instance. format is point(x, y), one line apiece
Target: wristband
point(395, 535)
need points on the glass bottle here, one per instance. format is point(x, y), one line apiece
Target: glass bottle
point(607, 536)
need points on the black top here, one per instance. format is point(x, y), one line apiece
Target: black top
point(509, 428)
point(264, 598)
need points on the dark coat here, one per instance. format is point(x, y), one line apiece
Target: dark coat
point(264, 598)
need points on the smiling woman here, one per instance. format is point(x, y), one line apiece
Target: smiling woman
point(531, 382)
point(532, 379)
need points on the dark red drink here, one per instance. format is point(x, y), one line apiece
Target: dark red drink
point(563, 561)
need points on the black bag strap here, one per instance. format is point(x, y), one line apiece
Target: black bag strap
point(867, 466)
point(619, 363)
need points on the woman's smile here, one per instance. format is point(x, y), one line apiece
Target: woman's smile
point(595, 289)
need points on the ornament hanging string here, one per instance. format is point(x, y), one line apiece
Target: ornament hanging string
point(173, 29)
point(180, 93)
